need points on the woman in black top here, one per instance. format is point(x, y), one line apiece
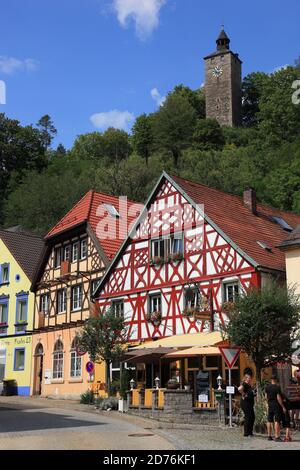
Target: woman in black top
point(247, 404)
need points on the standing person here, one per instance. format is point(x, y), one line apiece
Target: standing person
point(247, 403)
point(275, 407)
point(286, 418)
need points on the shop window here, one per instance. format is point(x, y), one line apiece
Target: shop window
point(193, 363)
point(19, 360)
point(212, 362)
point(58, 360)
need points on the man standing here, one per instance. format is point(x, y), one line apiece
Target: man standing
point(247, 403)
point(275, 406)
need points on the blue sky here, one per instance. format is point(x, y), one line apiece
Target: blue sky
point(91, 63)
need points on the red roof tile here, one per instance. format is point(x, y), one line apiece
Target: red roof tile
point(244, 228)
point(86, 211)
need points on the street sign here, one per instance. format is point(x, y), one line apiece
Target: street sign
point(90, 367)
point(80, 350)
point(230, 355)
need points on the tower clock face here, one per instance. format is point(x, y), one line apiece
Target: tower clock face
point(217, 72)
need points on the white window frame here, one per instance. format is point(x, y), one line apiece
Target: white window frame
point(44, 306)
point(67, 253)
point(75, 252)
point(231, 283)
point(57, 256)
point(3, 304)
point(151, 304)
point(58, 356)
point(78, 296)
point(77, 369)
point(176, 238)
point(83, 251)
point(116, 304)
point(61, 301)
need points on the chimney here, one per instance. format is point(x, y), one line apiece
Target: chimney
point(250, 200)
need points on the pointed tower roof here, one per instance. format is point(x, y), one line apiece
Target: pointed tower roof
point(223, 41)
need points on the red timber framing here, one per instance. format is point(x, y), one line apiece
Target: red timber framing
point(209, 261)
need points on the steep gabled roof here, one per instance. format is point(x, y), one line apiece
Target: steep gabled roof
point(243, 227)
point(235, 222)
point(25, 247)
point(85, 211)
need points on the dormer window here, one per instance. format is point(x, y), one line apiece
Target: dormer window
point(112, 210)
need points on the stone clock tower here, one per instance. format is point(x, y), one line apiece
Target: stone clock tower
point(223, 83)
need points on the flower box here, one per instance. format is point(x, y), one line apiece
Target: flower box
point(175, 257)
point(157, 261)
point(155, 318)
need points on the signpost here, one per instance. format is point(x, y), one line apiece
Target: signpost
point(90, 367)
point(230, 356)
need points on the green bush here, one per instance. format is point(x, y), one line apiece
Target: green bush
point(87, 398)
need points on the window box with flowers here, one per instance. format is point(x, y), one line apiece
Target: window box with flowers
point(157, 261)
point(175, 257)
point(155, 318)
point(3, 328)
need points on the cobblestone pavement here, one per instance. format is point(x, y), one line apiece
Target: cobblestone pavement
point(29, 423)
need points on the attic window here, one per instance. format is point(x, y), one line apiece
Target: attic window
point(264, 246)
point(112, 210)
point(283, 224)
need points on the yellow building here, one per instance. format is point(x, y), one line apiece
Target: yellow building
point(19, 255)
point(291, 247)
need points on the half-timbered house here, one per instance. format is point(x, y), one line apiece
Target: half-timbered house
point(77, 252)
point(190, 253)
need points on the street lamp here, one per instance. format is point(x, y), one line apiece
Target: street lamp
point(219, 382)
point(157, 382)
point(132, 384)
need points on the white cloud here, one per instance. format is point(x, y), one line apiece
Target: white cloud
point(114, 118)
point(144, 13)
point(157, 97)
point(10, 65)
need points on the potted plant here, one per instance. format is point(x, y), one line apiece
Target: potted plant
point(173, 384)
point(157, 260)
point(176, 256)
point(155, 318)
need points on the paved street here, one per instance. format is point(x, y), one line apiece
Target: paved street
point(49, 424)
point(27, 426)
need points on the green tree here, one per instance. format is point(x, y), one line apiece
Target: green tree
point(174, 125)
point(88, 146)
point(116, 144)
point(41, 199)
point(252, 90)
point(21, 149)
point(196, 98)
point(208, 134)
point(103, 337)
point(264, 323)
point(142, 137)
point(47, 129)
